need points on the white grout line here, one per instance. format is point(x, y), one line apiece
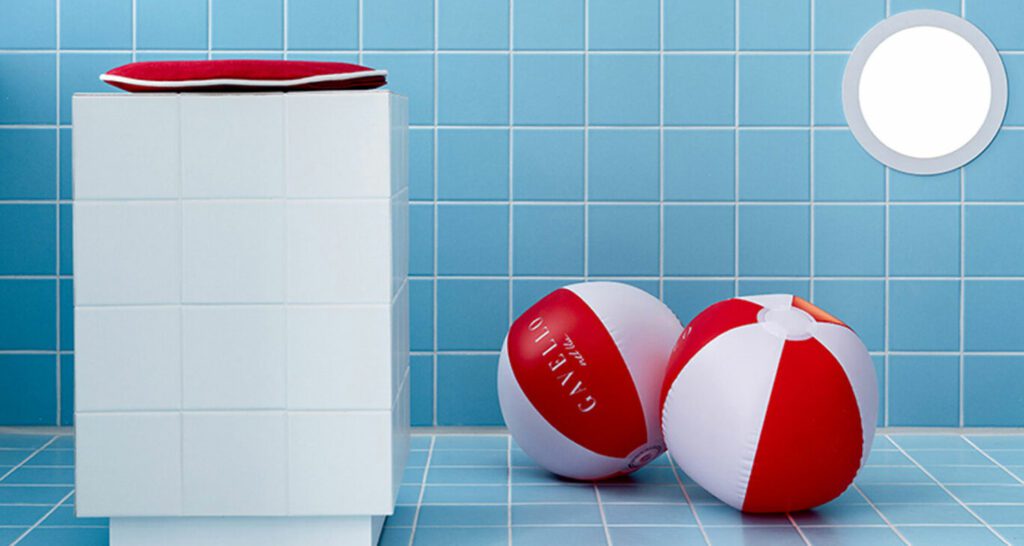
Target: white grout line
point(508, 462)
point(994, 461)
point(880, 514)
point(689, 502)
point(604, 519)
point(736, 150)
point(57, 313)
point(586, 140)
point(27, 459)
point(423, 489)
point(43, 518)
point(948, 492)
point(434, 323)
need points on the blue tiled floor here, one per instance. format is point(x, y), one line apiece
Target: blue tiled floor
point(482, 490)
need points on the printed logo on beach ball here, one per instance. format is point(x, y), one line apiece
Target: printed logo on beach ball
point(580, 376)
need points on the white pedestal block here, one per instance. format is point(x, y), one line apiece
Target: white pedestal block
point(241, 312)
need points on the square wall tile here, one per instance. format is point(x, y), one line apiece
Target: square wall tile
point(995, 174)
point(65, 163)
point(128, 464)
point(28, 314)
point(232, 146)
point(992, 396)
point(1014, 66)
point(623, 90)
point(323, 24)
point(839, 24)
point(535, 251)
point(688, 298)
point(774, 240)
point(119, 142)
point(950, 6)
point(127, 252)
point(67, 315)
point(989, 306)
point(320, 251)
point(421, 239)
point(27, 166)
point(472, 89)
point(749, 287)
point(860, 304)
point(26, 378)
point(233, 252)
point(784, 24)
point(472, 239)
point(398, 24)
point(611, 29)
point(28, 239)
point(96, 24)
point(421, 310)
point(828, 89)
point(32, 100)
point(322, 464)
point(66, 366)
point(338, 357)
point(138, 345)
point(924, 240)
point(421, 164)
point(774, 90)
point(699, 240)
point(700, 165)
point(988, 248)
point(623, 240)
point(233, 357)
point(623, 165)
point(698, 24)
point(997, 18)
point(548, 89)
point(924, 391)
point(421, 391)
point(843, 171)
point(774, 165)
point(472, 24)
point(547, 165)
point(247, 24)
point(849, 240)
point(177, 25)
point(413, 77)
point(472, 164)
point(472, 315)
point(910, 187)
point(548, 24)
point(700, 90)
point(235, 463)
point(924, 315)
point(28, 24)
point(467, 392)
point(79, 74)
point(526, 292)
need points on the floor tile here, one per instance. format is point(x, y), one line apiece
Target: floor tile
point(11, 457)
point(403, 517)
point(854, 514)
point(914, 494)
point(413, 475)
point(850, 536)
point(66, 536)
point(929, 441)
point(995, 514)
point(63, 442)
point(547, 493)
point(971, 475)
point(641, 493)
point(648, 475)
point(467, 475)
point(649, 514)
point(448, 494)
point(997, 441)
point(417, 458)
point(988, 493)
point(52, 457)
point(1014, 534)
point(395, 536)
point(750, 535)
point(23, 441)
point(470, 442)
point(557, 536)
point(469, 457)
point(41, 475)
point(917, 514)
point(456, 516)
point(448, 536)
point(699, 495)
point(646, 536)
point(1007, 456)
point(64, 516)
point(930, 457)
point(720, 514)
point(419, 442)
point(22, 515)
point(951, 536)
point(537, 475)
point(882, 443)
point(556, 514)
point(880, 457)
point(892, 474)
point(21, 494)
point(8, 534)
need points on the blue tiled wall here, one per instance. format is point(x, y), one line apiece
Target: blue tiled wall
point(694, 148)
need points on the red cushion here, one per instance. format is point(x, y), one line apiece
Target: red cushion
point(242, 75)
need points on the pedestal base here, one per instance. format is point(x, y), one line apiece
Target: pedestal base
point(246, 531)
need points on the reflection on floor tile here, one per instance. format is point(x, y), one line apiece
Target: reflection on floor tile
point(460, 489)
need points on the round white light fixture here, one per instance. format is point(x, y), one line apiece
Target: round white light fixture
point(924, 92)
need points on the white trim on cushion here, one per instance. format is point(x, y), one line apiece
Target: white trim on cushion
point(244, 82)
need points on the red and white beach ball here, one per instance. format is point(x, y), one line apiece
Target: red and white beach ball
point(580, 376)
point(770, 403)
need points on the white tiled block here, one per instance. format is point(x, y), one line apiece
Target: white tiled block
point(127, 358)
point(338, 144)
point(399, 143)
point(399, 436)
point(245, 531)
point(399, 240)
point(128, 464)
point(233, 251)
point(233, 357)
point(340, 463)
point(127, 252)
point(235, 464)
point(126, 149)
point(232, 145)
point(338, 357)
point(339, 251)
point(399, 338)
